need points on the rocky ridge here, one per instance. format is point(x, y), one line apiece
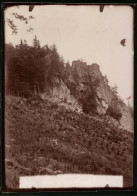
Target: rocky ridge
point(78, 76)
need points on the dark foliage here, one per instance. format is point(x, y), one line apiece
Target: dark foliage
point(113, 109)
point(88, 98)
point(29, 68)
point(112, 112)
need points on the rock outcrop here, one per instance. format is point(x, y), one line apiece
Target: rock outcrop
point(69, 90)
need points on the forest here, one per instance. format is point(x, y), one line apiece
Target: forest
point(30, 68)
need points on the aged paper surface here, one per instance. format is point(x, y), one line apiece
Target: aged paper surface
point(68, 96)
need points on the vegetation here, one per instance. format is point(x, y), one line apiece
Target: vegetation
point(88, 98)
point(113, 109)
point(46, 138)
point(43, 137)
point(30, 68)
point(114, 113)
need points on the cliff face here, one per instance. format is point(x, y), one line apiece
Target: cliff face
point(77, 80)
point(60, 93)
point(84, 73)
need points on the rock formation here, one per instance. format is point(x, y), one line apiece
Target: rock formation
point(77, 80)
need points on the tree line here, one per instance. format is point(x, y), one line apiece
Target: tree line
point(28, 69)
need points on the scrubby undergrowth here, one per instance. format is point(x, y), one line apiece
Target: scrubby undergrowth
point(45, 138)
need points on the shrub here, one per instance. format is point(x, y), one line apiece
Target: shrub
point(114, 113)
point(89, 103)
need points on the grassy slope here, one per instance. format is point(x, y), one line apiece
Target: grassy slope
point(44, 138)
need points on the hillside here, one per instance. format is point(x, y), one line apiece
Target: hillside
point(43, 137)
point(81, 86)
point(62, 118)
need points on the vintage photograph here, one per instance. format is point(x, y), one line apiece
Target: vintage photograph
point(68, 79)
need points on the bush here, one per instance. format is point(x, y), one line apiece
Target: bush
point(89, 103)
point(88, 98)
point(114, 113)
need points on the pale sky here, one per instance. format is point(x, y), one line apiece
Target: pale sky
point(83, 32)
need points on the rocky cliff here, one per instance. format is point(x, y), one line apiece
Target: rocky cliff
point(76, 82)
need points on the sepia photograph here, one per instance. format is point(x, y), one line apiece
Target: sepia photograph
point(68, 97)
